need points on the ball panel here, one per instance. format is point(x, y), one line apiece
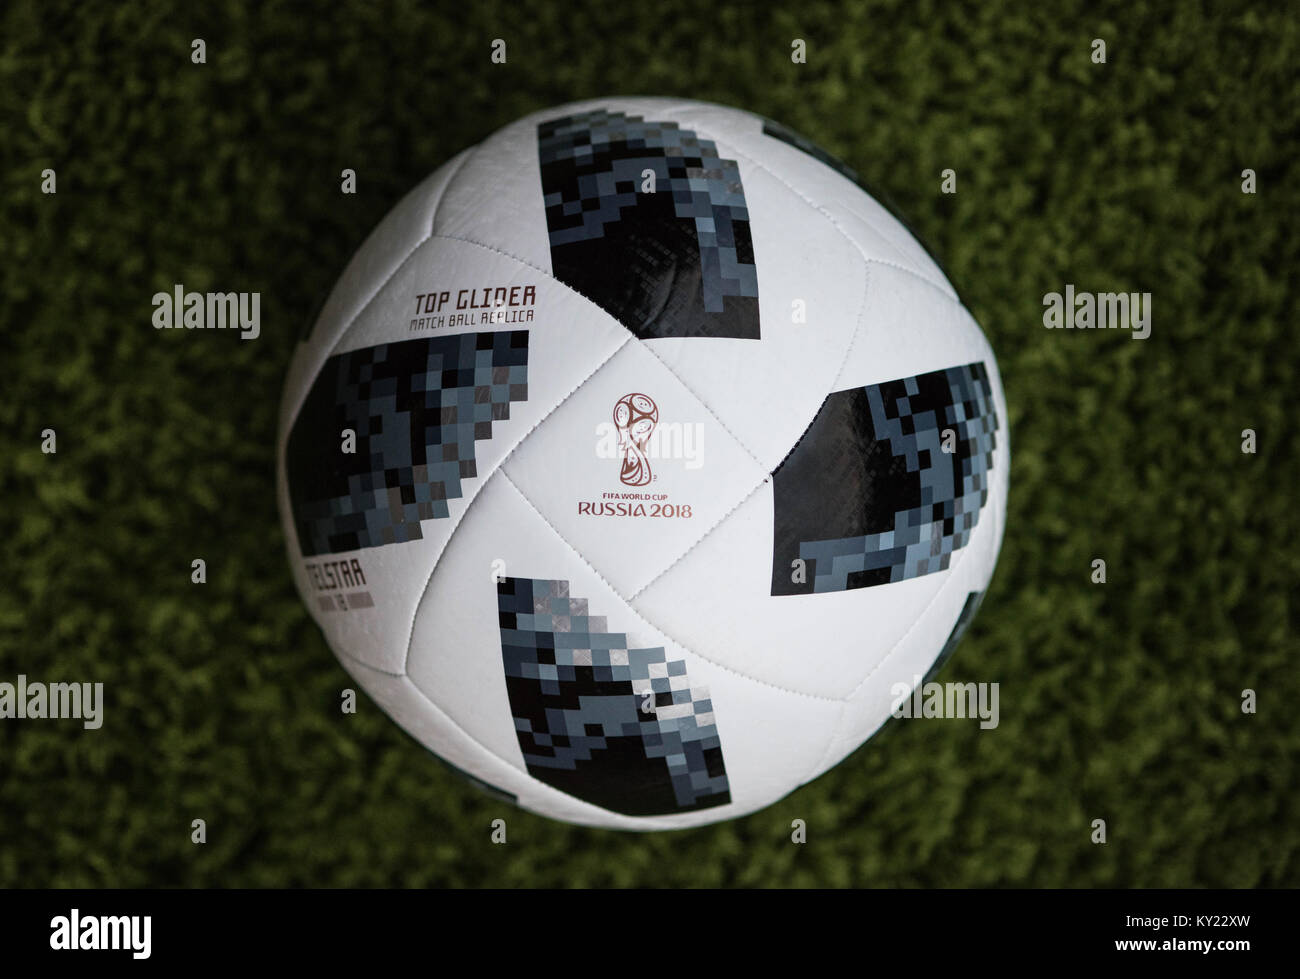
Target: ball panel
point(718, 597)
point(460, 658)
point(423, 720)
point(686, 471)
point(497, 204)
point(909, 328)
point(880, 235)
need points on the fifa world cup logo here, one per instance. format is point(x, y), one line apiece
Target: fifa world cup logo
point(635, 417)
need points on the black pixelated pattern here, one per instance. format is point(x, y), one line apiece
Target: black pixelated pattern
point(678, 262)
point(417, 408)
point(619, 727)
point(870, 496)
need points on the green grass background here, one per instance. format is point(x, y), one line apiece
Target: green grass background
point(1119, 701)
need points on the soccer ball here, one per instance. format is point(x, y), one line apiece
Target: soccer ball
point(637, 458)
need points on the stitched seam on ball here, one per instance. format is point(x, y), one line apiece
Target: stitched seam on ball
point(498, 468)
point(830, 742)
point(663, 820)
point(645, 346)
point(461, 728)
point(959, 558)
point(642, 616)
point(857, 328)
point(344, 654)
point(695, 394)
point(821, 210)
point(916, 275)
point(514, 769)
point(352, 321)
point(681, 557)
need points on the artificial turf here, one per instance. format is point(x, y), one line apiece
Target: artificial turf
point(1119, 701)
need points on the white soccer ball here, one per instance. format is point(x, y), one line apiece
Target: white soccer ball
point(637, 459)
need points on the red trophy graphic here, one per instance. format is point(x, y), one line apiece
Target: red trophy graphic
point(635, 416)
